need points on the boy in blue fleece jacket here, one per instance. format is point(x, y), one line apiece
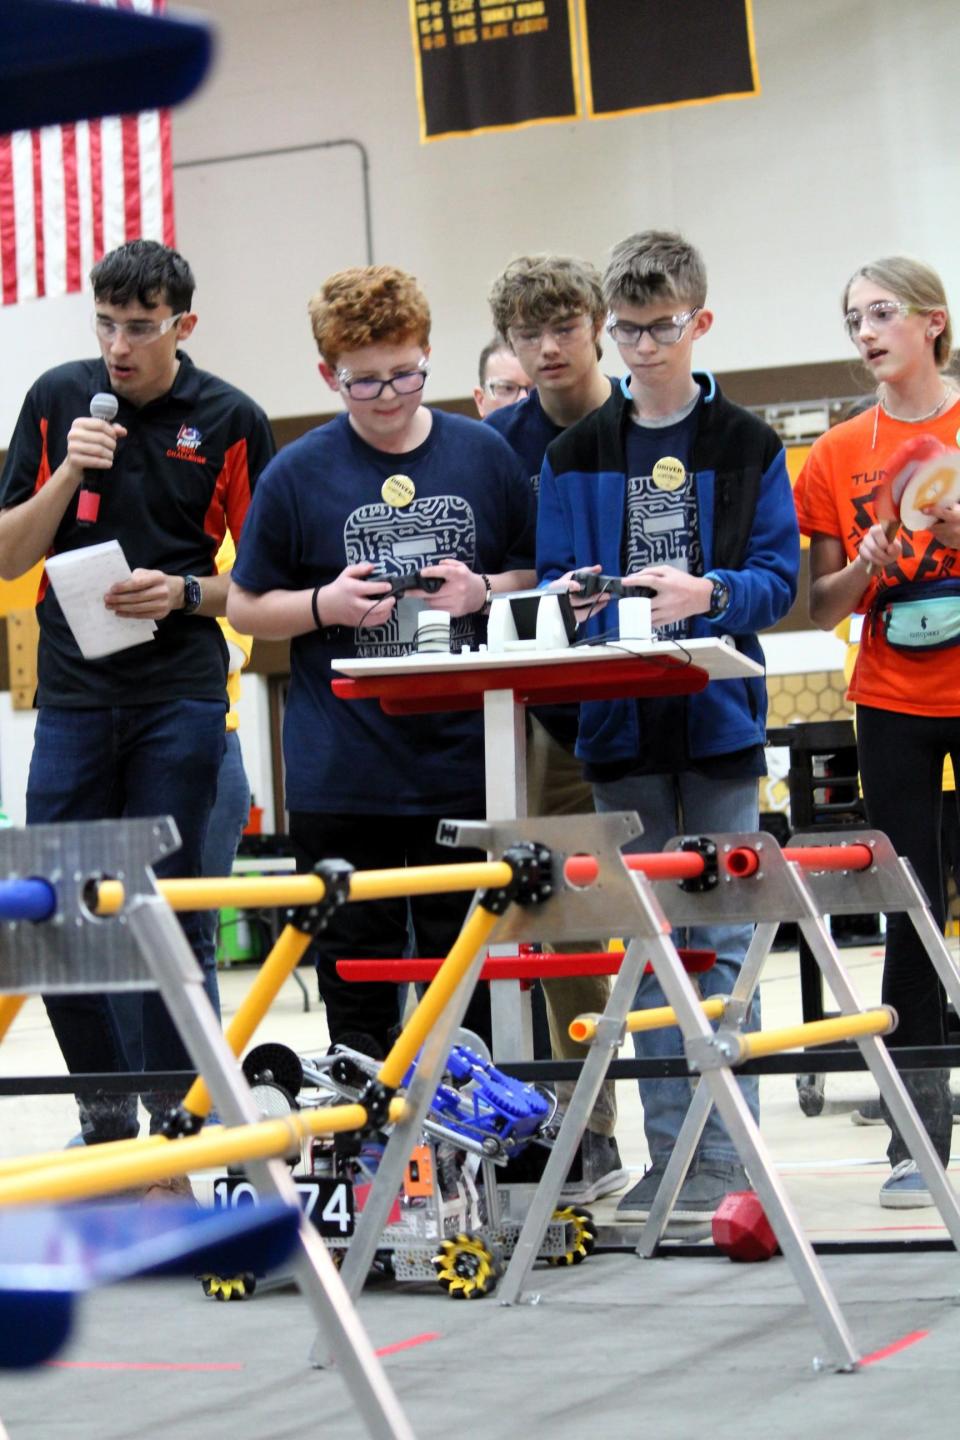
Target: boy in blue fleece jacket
point(674, 487)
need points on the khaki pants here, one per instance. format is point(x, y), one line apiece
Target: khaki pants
point(555, 786)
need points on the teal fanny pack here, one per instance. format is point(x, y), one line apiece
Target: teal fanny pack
point(919, 616)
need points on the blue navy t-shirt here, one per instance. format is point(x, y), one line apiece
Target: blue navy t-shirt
point(319, 507)
point(527, 429)
point(661, 526)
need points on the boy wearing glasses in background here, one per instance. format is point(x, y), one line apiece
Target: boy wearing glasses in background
point(141, 731)
point(672, 486)
point(390, 489)
point(503, 380)
point(550, 307)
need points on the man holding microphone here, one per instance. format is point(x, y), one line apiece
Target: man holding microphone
point(140, 731)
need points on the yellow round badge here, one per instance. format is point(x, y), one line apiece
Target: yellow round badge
point(398, 490)
point(669, 473)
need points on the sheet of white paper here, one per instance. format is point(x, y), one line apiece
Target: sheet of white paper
point(80, 579)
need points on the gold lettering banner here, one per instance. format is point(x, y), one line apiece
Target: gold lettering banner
point(487, 65)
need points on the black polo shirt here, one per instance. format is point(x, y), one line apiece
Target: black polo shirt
point(183, 474)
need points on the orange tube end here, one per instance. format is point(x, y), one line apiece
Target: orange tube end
point(742, 862)
point(580, 871)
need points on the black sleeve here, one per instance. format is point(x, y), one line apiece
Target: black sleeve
point(26, 461)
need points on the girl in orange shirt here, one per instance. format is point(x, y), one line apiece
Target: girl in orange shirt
point(908, 700)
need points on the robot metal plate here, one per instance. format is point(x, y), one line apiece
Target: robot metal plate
point(77, 950)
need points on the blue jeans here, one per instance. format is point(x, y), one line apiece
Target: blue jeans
point(230, 813)
point(227, 819)
point(687, 804)
point(126, 762)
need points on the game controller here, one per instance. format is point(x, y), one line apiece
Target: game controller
point(592, 584)
point(410, 580)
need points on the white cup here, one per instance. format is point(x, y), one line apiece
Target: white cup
point(634, 617)
point(433, 632)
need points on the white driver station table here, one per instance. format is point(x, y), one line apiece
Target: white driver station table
point(503, 681)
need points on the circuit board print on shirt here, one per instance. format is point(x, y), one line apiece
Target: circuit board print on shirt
point(661, 529)
point(400, 540)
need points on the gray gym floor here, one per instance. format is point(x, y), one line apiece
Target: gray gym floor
point(668, 1348)
point(672, 1347)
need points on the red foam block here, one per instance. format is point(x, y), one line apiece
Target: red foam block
point(741, 1228)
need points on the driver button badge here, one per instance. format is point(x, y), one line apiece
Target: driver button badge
point(669, 473)
point(398, 491)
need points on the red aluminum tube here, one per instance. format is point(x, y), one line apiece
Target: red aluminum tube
point(582, 870)
point(523, 967)
point(744, 862)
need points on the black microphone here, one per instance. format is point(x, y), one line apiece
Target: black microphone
point(102, 407)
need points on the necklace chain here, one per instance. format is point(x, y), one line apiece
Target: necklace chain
point(918, 419)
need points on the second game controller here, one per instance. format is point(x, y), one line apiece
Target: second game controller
point(592, 584)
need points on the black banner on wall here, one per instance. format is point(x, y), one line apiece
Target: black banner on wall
point(651, 54)
point(488, 65)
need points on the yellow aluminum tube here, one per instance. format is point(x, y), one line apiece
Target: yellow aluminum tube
point(817, 1032)
point(280, 963)
point(429, 879)
point(473, 935)
point(584, 1028)
point(265, 890)
point(104, 1171)
point(10, 1007)
point(292, 944)
point(77, 1154)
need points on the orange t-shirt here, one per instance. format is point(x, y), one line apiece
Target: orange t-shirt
point(835, 495)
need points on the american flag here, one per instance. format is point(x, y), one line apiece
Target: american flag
point(70, 193)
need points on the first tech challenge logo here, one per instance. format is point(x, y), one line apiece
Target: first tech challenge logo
point(188, 443)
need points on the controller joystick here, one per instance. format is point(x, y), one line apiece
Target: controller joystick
point(592, 584)
point(409, 580)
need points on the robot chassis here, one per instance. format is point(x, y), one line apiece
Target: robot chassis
point(453, 1222)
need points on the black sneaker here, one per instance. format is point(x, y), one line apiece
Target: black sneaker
point(636, 1204)
point(702, 1191)
point(601, 1170)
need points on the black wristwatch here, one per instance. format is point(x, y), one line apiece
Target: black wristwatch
point(719, 596)
point(192, 594)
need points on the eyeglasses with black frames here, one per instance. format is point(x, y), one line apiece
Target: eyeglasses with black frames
point(661, 332)
point(371, 387)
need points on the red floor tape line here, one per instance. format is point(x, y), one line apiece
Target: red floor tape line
point(408, 1344)
point(895, 1347)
